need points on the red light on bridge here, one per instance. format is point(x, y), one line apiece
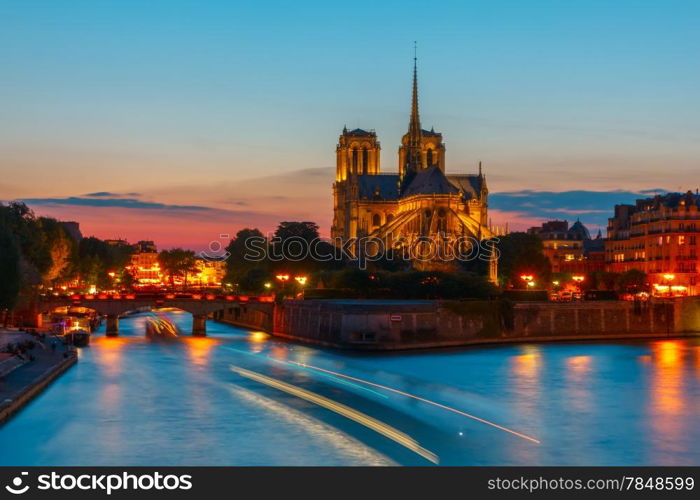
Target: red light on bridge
point(130, 296)
point(209, 296)
point(196, 296)
point(75, 297)
point(102, 296)
point(230, 297)
point(170, 296)
point(243, 298)
point(266, 298)
point(89, 297)
point(116, 296)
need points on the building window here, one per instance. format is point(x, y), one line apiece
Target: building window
point(681, 239)
point(376, 220)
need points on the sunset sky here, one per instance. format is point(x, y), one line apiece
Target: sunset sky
point(179, 121)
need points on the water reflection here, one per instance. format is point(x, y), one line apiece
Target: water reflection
point(199, 349)
point(136, 402)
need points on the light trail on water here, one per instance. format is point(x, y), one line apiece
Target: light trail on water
point(341, 409)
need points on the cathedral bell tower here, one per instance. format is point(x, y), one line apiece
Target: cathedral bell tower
point(357, 152)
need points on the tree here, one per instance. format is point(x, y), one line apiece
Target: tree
point(247, 251)
point(9, 273)
point(177, 263)
point(61, 248)
point(307, 231)
point(633, 281)
point(522, 253)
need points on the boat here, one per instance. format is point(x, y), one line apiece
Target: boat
point(159, 327)
point(73, 330)
point(78, 337)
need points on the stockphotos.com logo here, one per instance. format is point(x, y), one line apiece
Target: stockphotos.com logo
point(102, 482)
point(17, 487)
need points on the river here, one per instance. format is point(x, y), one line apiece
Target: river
point(239, 397)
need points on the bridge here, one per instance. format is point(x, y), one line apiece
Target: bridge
point(113, 305)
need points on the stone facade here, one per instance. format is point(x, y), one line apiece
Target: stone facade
point(660, 237)
point(420, 201)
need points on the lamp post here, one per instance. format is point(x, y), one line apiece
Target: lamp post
point(528, 280)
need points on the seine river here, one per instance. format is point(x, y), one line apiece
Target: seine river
point(241, 398)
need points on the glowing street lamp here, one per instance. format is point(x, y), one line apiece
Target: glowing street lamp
point(268, 285)
point(578, 278)
point(669, 277)
point(282, 277)
point(301, 280)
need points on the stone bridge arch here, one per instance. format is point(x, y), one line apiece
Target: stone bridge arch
point(199, 308)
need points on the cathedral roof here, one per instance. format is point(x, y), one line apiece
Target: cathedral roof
point(379, 186)
point(430, 133)
point(469, 184)
point(361, 133)
point(430, 181)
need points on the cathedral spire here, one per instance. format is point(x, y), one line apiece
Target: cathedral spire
point(414, 159)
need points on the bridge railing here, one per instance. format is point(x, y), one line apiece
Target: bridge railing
point(157, 297)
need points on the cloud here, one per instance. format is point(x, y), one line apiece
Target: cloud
point(592, 207)
point(105, 202)
point(108, 194)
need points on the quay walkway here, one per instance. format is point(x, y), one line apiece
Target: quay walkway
point(22, 379)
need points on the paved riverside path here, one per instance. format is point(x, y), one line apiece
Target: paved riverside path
point(28, 379)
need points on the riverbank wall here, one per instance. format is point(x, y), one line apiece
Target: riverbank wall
point(19, 386)
point(393, 325)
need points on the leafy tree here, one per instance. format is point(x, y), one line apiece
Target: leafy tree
point(61, 248)
point(307, 231)
point(96, 258)
point(177, 263)
point(633, 281)
point(247, 251)
point(9, 272)
point(522, 253)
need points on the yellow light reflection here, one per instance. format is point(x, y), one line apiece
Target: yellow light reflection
point(109, 354)
point(667, 380)
point(199, 349)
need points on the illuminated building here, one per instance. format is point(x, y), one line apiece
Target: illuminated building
point(145, 247)
point(420, 202)
point(658, 236)
point(210, 273)
point(570, 249)
point(145, 268)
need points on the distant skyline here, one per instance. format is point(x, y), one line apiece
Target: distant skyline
point(178, 121)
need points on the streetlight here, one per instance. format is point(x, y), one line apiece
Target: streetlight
point(282, 277)
point(301, 280)
point(528, 279)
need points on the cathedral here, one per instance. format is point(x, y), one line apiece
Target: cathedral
point(420, 202)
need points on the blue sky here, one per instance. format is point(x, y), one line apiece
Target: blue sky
point(213, 103)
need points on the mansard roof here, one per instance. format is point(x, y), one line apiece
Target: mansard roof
point(378, 186)
point(430, 181)
point(669, 200)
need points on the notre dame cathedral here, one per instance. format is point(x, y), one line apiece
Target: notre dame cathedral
point(420, 201)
